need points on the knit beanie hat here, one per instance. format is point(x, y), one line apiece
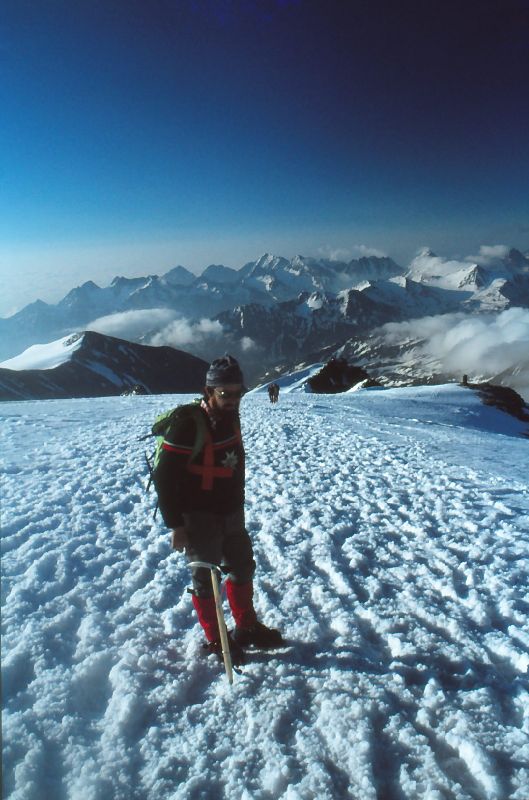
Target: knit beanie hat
point(223, 371)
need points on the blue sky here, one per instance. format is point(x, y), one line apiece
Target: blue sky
point(141, 134)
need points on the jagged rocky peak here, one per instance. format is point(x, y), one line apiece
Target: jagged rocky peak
point(299, 265)
point(517, 260)
point(179, 276)
point(88, 292)
point(37, 305)
point(89, 286)
point(269, 262)
point(304, 262)
point(86, 288)
point(426, 252)
point(476, 276)
point(120, 282)
point(425, 260)
point(218, 273)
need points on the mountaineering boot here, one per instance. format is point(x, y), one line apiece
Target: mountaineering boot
point(248, 630)
point(258, 636)
point(236, 652)
point(207, 616)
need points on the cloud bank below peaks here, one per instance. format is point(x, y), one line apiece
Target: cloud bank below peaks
point(132, 325)
point(183, 332)
point(158, 327)
point(482, 346)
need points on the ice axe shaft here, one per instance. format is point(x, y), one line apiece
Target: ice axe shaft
point(226, 653)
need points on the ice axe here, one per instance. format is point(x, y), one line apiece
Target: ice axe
point(226, 654)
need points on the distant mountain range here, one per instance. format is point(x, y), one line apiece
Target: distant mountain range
point(267, 281)
point(275, 312)
point(317, 324)
point(93, 365)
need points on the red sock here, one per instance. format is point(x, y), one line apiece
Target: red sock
point(240, 598)
point(207, 616)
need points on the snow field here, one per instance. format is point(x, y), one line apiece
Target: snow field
point(392, 550)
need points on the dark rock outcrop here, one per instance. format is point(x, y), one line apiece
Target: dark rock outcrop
point(339, 376)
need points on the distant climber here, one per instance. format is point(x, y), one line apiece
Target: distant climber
point(273, 392)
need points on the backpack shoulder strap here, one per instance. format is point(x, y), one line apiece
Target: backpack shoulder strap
point(181, 414)
point(203, 435)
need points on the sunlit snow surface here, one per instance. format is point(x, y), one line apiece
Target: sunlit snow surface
point(45, 356)
point(391, 533)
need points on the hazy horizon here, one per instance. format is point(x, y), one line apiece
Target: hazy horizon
point(138, 136)
point(54, 286)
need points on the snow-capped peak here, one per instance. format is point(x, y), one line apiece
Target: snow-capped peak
point(426, 252)
point(46, 356)
point(430, 269)
point(269, 262)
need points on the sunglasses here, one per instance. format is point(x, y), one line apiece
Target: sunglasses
point(226, 395)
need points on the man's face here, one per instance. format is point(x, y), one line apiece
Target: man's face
point(225, 399)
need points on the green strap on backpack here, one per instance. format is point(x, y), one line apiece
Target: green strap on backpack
point(164, 423)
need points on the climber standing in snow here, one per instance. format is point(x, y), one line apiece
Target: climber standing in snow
point(273, 392)
point(200, 480)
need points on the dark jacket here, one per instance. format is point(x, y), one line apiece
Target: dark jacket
point(211, 481)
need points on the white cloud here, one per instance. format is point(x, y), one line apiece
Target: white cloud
point(247, 344)
point(363, 250)
point(182, 332)
point(335, 253)
point(429, 265)
point(480, 345)
point(489, 254)
point(205, 338)
point(132, 324)
point(162, 326)
point(348, 253)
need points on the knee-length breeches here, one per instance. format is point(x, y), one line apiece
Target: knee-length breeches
point(220, 539)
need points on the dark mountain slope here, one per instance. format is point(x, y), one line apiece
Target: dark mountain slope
point(104, 365)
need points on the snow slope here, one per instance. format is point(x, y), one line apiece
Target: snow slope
point(45, 356)
point(296, 381)
point(391, 531)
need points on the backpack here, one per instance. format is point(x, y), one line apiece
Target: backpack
point(162, 426)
